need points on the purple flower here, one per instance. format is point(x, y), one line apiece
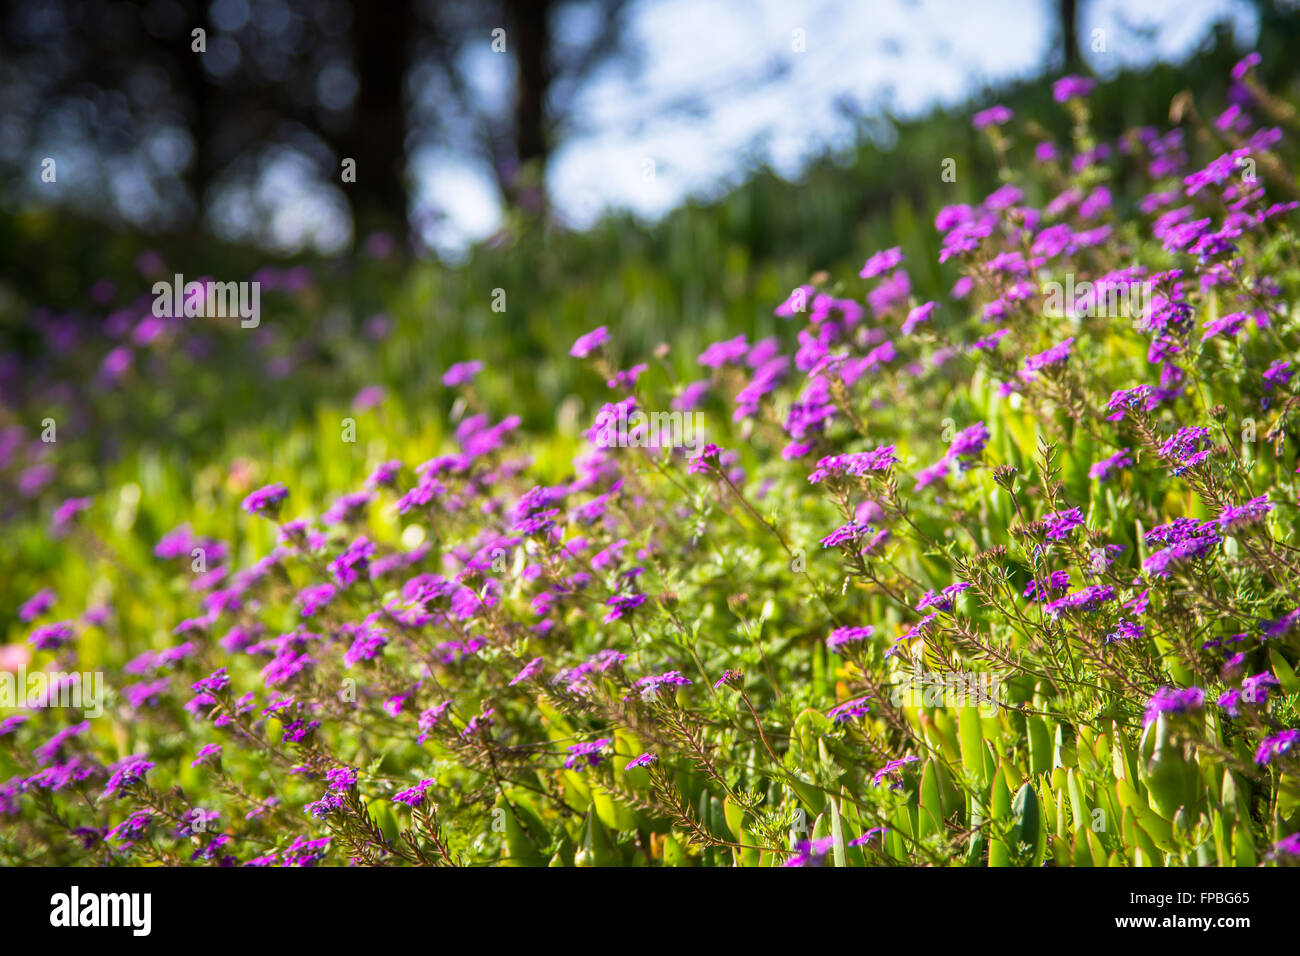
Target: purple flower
point(1181, 236)
point(1056, 355)
point(206, 752)
point(706, 460)
point(1060, 524)
point(811, 852)
point(892, 291)
point(586, 755)
point(648, 687)
point(369, 397)
point(850, 709)
point(1126, 399)
point(462, 372)
point(1176, 531)
point(214, 682)
point(575, 678)
point(36, 605)
point(1188, 447)
point(9, 724)
point(1125, 631)
point(855, 464)
point(869, 835)
point(845, 534)
point(728, 676)
point(1245, 65)
point(1086, 599)
point(1056, 581)
point(1270, 748)
point(990, 342)
point(314, 597)
point(347, 508)
point(303, 852)
point(1169, 700)
point(530, 670)
point(729, 352)
point(848, 635)
point(329, 803)
point(1226, 325)
point(586, 344)
point(882, 261)
point(1282, 625)
point(1287, 846)
point(1053, 241)
point(1103, 558)
point(1254, 690)
point(147, 694)
point(74, 771)
point(430, 718)
point(645, 760)
point(354, 560)
point(266, 500)
point(1139, 604)
point(384, 475)
point(1161, 562)
point(993, 116)
point(796, 303)
point(970, 441)
point(942, 601)
point(1252, 512)
point(627, 378)
point(132, 828)
point(341, 778)
point(1216, 173)
point(934, 473)
point(50, 637)
point(691, 396)
point(1072, 87)
point(366, 645)
point(414, 796)
point(66, 512)
point(1106, 468)
point(127, 772)
point(621, 604)
point(1278, 373)
point(891, 769)
point(917, 316)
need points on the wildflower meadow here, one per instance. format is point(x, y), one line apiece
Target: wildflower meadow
point(981, 553)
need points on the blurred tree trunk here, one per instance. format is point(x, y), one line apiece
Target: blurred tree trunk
point(200, 96)
point(1068, 11)
point(530, 37)
point(381, 35)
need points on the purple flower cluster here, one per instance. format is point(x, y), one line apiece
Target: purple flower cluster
point(1174, 701)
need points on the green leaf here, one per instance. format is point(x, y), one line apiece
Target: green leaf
point(1027, 814)
point(564, 854)
point(932, 815)
point(734, 815)
point(1000, 804)
point(1243, 847)
point(1283, 671)
point(837, 833)
point(1079, 809)
point(972, 744)
point(595, 848)
point(1040, 745)
point(520, 848)
point(944, 734)
point(812, 798)
point(1171, 779)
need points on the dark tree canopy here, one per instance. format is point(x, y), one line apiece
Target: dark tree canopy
point(156, 109)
